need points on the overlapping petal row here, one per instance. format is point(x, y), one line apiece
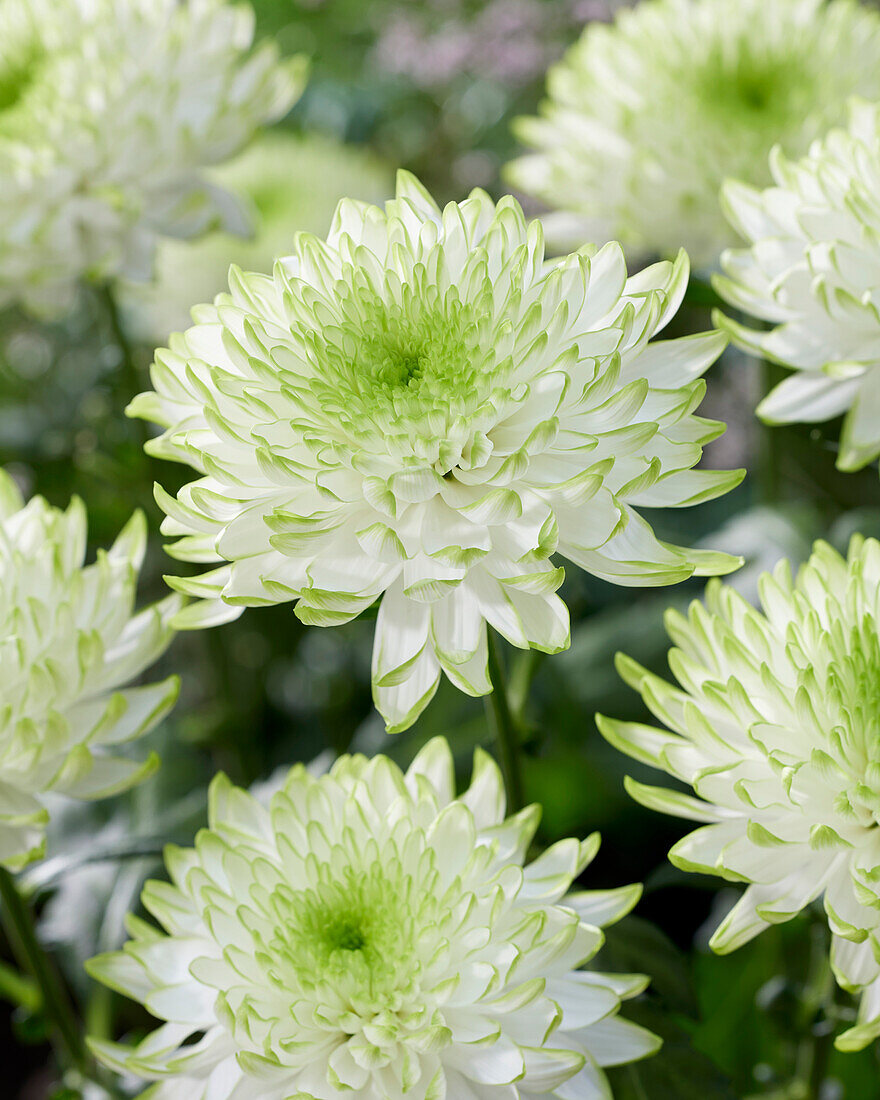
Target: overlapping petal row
point(369, 934)
point(776, 725)
point(646, 117)
point(423, 409)
point(813, 271)
point(69, 642)
point(110, 110)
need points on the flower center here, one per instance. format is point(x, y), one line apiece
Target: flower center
point(413, 374)
point(852, 682)
point(21, 53)
point(760, 91)
point(355, 932)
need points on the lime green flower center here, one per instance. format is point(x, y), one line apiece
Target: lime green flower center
point(852, 684)
point(21, 54)
point(763, 91)
point(420, 368)
point(357, 930)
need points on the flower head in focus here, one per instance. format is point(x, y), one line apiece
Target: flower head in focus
point(368, 934)
point(109, 112)
point(422, 409)
point(776, 726)
point(813, 271)
point(646, 117)
point(70, 643)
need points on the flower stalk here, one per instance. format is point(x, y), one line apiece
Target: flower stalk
point(21, 933)
point(504, 728)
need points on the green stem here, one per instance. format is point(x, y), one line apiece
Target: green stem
point(501, 720)
point(19, 923)
point(817, 1015)
point(129, 375)
point(770, 452)
point(522, 674)
point(18, 989)
point(120, 337)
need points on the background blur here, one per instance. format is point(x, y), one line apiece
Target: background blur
point(430, 85)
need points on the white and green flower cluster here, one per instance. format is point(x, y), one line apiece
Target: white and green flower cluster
point(648, 116)
point(109, 112)
point(424, 410)
point(70, 642)
point(813, 271)
point(776, 726)
point(369, 934)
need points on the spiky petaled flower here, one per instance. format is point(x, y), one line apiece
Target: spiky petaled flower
point(424, 410)
point(370, 935)
point(109, 111)
point(648, 116)
point(776, 726)
point(813, 272)
point(69, 642)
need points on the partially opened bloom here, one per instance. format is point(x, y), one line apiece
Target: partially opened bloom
point(776, 725)
point(109, 112)
point(370, 935)
point(813, 271)
point(646, 117)
point(423, 410)
point(69, 643)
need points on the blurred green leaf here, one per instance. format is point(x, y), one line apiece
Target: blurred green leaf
point(677, 1072)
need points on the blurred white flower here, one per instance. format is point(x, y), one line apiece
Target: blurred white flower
point(776, 726)
point(423, 410)
point(813, 272)
point(69, 643)
point(109, 112)
point(290, 182)
point(370, 934)
point(647, 117)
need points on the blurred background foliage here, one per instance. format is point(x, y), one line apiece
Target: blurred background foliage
point(430, 85)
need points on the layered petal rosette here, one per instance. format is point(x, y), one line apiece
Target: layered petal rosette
point(69, 642)
point(370, 935)
point(776, 726)
point(423, 409)
point(813, 272)
point(110, 111)
point(646, 117)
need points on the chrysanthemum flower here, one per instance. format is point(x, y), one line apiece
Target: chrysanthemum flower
point(109, 111)
point(648, 116)
point(370, 935)
point(69, 642)
point(422, 409)
point(813, 271)
point(776, 726)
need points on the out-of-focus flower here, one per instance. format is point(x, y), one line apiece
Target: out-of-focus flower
point(292, 183)
point(109, 112)
point(370, 934)
point(813, 271)
point(776, 727)
point(424, 410)
point(70, 642)
point(647, 117)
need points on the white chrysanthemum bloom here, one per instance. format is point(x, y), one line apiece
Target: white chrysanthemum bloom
point(109, 111)
point(69, 642)
point(648, 116)
point(813, 272)
point(423, 409)
point(370, 935)
point(776, 725)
